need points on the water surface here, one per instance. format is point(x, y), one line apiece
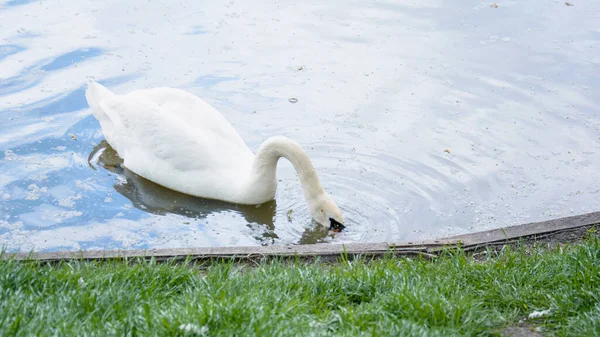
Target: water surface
point(423, 118)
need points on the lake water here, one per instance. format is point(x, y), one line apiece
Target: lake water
point(423, 118)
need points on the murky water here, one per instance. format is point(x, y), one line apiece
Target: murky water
point(423, 118)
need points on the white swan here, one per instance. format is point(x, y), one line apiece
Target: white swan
point(177, 140)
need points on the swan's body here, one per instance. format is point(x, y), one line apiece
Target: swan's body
point(177, 140)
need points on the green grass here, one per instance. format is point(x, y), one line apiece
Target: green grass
point(452, 296)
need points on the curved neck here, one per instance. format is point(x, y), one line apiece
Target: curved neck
point(265, 165)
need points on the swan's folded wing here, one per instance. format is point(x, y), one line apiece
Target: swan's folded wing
point(190, 108)
point(151, 140)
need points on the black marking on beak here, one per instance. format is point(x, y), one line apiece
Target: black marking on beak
point(335, 226)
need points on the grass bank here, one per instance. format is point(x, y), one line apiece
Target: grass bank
point(452, 296)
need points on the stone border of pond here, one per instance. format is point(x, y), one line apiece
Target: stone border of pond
point(562, 230)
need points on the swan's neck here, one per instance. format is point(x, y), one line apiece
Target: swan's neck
point(265, 165)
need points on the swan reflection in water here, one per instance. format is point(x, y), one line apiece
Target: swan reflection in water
point(153, 198)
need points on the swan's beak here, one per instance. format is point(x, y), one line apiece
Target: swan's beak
point(335, 226)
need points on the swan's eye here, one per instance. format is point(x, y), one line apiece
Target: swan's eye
point(321, 211)
point(335, 226)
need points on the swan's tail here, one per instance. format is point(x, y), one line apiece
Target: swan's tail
point(95, 94)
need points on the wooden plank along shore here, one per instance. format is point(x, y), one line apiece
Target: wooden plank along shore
point(427, 247)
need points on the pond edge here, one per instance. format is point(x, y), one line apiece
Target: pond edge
point(469, 242)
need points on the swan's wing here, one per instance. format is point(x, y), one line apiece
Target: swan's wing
point(152, 141)
point(191, 109)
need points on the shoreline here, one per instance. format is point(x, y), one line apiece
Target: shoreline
point(561, 230)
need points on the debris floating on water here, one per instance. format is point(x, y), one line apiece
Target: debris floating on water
point(293, 100)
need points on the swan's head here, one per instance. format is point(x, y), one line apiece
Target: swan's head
point(325, 211)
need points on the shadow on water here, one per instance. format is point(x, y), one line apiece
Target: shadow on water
point(156, 199)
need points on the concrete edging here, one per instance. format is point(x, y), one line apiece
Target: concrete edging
point(470, 241)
